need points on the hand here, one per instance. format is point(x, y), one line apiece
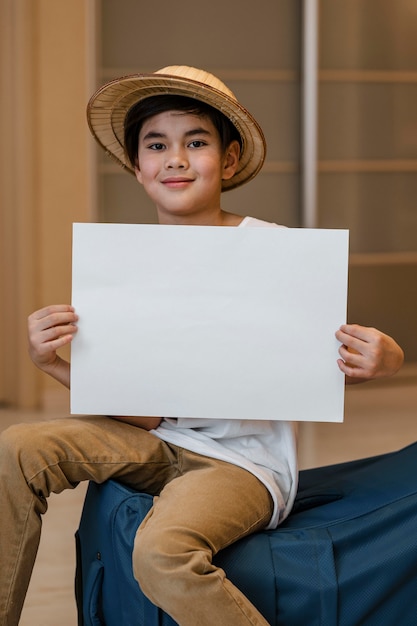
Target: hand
point(367, 353)
point(49, 329)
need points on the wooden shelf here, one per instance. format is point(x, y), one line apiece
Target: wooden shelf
point(367, 76)
point(368, 166)
point(382, 258)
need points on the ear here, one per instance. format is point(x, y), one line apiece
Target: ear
point(138, 173)
point(231, 160)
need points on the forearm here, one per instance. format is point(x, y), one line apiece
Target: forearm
point(60, 370)
point(147, 423)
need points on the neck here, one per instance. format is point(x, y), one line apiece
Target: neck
point(217, 218)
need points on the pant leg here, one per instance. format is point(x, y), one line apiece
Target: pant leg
point(37, 459)
point(211, 505)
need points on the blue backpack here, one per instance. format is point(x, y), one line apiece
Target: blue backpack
point(346, 556)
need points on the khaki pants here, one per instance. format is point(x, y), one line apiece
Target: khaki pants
point(202, 505)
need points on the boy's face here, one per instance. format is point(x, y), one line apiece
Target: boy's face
point(181, 166)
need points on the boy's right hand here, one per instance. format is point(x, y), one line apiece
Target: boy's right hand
point(49, 329)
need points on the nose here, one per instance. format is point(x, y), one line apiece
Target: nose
point(176, 158)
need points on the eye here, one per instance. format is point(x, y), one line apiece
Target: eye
point(156, 146)
point(197, 143)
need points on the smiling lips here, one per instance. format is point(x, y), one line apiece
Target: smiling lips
point(175, 182)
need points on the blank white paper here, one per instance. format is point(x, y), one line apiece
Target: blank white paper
point(211, 322)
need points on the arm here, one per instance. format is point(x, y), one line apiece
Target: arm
point(367, 353)
point(49, 329)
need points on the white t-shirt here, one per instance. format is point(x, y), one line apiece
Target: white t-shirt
point(266, 448)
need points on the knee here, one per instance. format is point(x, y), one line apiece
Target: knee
point(23, 448)
point(35, 439)
point(171, 555)
point(15, 445)
point(14, 440)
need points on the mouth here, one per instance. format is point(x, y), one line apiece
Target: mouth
point(177, 182)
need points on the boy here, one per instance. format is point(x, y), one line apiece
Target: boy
point(185, 137)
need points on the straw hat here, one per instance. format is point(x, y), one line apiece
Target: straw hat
point(108, 107)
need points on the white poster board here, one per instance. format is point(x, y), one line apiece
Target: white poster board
point(214, 322)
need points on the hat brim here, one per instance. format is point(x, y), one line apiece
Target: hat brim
point(107, 109)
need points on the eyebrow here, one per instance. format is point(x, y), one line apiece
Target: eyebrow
point(190, 133)
point(197, 131)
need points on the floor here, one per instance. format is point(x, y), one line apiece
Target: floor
point(379, 417)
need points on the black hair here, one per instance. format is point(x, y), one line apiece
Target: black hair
point(153, 105)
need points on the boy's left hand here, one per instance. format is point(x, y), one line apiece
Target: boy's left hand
point(367, 353)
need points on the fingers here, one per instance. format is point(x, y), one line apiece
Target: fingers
point(49, 315)
point(354, 335)
point(351, 371)
point(56, 318)
point(49, 329)
point(367, 352)
point(355, 372)
point(357, 349)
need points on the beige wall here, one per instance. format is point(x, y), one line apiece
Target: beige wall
point(46, 169)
